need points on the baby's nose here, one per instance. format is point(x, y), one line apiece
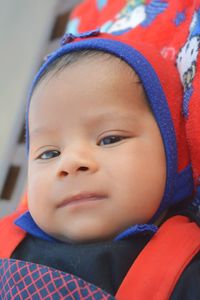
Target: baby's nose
point(73, 164)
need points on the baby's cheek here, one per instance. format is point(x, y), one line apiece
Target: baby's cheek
point(37, 193)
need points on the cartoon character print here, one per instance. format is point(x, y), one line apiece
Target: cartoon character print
point(134, 13)
point(187, 58)
point(72, 26)
point(101, 4)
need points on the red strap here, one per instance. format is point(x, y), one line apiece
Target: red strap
point(157, 269)
point(10, 234)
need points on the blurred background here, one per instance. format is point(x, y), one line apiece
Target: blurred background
point(29, 30)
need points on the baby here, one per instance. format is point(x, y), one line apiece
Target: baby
point(96, 157)
point(107, 154)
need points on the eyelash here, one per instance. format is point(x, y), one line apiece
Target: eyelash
point(108, 140)
point(113, 139)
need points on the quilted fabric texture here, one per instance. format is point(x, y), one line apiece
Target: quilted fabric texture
point(23, 280)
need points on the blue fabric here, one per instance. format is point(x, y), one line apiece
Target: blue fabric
point(138, 228)
point(152, 10)
point(195, 204)
point(184, 185)
point(101, 4)
point(186, 99)
point(26, 222)
point(72, 26)
point(180, 18)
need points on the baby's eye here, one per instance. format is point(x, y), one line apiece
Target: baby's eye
point(111, 140)
point(49, 154)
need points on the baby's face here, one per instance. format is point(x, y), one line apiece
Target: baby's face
point(96, 161)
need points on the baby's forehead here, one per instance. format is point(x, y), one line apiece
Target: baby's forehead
point(98, 59)
point(95, 85)
point(106, 64)
point(112, 62)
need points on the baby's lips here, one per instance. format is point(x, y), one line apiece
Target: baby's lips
point(83, 196)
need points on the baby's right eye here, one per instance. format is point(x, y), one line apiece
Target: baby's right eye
point(48, 154)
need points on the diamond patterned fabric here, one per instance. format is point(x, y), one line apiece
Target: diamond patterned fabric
point(23, 280)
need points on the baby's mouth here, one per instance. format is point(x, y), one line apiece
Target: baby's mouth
point(82, 197)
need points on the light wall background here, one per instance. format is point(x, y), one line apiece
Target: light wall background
point(25, 29)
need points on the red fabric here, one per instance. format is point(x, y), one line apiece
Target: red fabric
point(157, 33)
point(11, 233)
point(158, 267)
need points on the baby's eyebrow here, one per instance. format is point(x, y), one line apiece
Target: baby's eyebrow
point(93, 120)
point(112, 116)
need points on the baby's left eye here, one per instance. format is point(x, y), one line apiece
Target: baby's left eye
point(111, 140)
point(49, 154)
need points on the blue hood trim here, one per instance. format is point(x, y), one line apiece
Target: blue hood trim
point(26, 222)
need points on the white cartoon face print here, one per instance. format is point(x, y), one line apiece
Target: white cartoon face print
point(134, 13)
point(186, 61)
point(127, 19)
